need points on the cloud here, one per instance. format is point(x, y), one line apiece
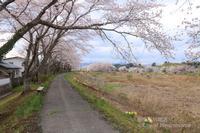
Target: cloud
point(104, 52)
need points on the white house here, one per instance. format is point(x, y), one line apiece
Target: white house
point(7, 71)
point(17, 61)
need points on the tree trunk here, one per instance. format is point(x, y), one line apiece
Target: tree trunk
point(26, 78)
point(18, 35)
point(12, 78)
point(26, 84)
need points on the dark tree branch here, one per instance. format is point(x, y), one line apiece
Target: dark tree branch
point(20, 33)
point(3, 5)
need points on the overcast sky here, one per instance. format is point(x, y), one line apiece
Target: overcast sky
point(103, 51)
point(173, 16)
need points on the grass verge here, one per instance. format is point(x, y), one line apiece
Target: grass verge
point(121, 121)
point(33, 103)
point(20, 113)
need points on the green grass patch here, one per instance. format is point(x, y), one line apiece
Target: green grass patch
point(96, 74)
point(31, 104)
point(109, 87)
point(19, 113)
point(46, 80)
point(18, 89)
point(120, 120)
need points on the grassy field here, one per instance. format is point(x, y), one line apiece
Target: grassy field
point(171, 101)
point(20, 113)
point(124, 122)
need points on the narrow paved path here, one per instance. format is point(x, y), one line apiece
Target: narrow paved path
point(65, 111)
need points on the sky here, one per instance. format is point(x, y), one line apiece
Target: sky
point(102, 51)
point(172, 17)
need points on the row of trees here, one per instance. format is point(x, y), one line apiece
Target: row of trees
point(57, 31)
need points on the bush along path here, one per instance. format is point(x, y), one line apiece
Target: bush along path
point(65, 111)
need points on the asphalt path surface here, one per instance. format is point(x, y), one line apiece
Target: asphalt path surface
point(65, 111)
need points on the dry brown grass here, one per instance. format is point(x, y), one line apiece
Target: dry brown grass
point(175, 97)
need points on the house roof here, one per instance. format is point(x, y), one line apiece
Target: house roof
point(8, 65)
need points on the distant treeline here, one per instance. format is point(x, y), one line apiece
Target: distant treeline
point(127, 65)
point(196, 64)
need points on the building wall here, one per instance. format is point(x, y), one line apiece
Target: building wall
point(18, 62)
point(4, 81)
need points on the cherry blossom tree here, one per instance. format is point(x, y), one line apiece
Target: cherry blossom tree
point(52, 50)
point(45, 25)
point(191, 25)
point(193, 31)
point(131, 18)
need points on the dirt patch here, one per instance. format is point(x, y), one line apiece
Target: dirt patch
point(30, 124)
